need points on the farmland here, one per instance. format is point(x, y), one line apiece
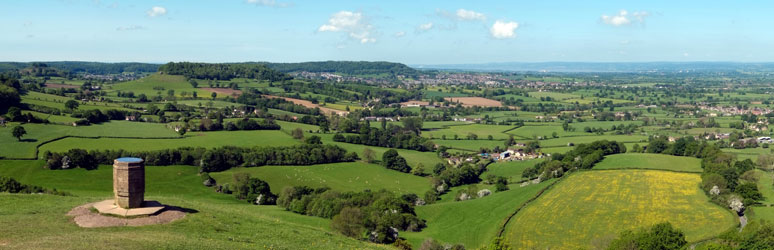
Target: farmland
point(587, 208)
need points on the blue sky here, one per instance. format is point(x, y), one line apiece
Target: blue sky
point(412, 32)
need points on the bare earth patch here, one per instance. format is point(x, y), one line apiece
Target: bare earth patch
point(309, 104)
point(229, 92)
point(475, 101)
point(84, 217)
point(65, 86)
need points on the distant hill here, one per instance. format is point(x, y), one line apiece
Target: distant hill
point(83, 67)
point(223, 71)
point(355, 68)
point(605, 66)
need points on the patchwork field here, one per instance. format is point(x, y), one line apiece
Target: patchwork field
point(590, 208)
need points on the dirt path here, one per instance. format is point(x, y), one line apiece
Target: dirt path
point(84, 217)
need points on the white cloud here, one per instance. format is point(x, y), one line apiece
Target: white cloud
point(469, 15)
point(400, 34)
point(425, 26)
point(352, 23)
point(157, 11)
point(269, 3)
point(502, 29)
point(130, 28)
point(625, 18)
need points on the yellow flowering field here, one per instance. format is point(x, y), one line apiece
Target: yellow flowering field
point(590, 208)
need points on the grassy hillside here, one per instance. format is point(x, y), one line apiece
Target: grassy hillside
point(347, 176)
point(590, 208)
point(40, 133)
point(219, 221)
point(472, 223)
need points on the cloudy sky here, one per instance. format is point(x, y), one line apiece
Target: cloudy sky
point(412, 32)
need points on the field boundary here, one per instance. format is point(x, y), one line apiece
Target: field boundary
point(651, 169)
point(501, 230)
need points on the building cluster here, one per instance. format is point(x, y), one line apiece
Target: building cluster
point(732, 110)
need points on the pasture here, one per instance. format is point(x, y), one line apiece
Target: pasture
point(197, 139)
point(650, 161)
point(472, 223)
point(40, 133)
point(481, 130)
point(346, 176)
point(588, 209)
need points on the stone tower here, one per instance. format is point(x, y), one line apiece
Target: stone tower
point(129, 182)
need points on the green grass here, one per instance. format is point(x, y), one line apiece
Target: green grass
point(588, 209)
point(153, 84)
point(472, 223)
point(39, 133)
point(197, 139)
point(413, 157)
point(348, 176)
point(650, 161)
point(510, 169)
point(563, 141)
point(545, 131)
point(554, 95)
point(220, 221)
point(481, 130)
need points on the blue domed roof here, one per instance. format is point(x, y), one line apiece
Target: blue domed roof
point(129, 159)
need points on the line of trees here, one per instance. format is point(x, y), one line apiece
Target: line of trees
point(373, 215)
point(209, 160)
point(584, 156)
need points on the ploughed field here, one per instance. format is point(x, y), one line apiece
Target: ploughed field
point(589, 209)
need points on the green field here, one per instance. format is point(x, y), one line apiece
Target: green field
point(159, 84)
point(347, 176)
point(650, 161)
point(40, 133)
point(510, 169)
point(588, 209)
point(481, 130)
point(218, 221)
point(472, 223)
point(199, 139)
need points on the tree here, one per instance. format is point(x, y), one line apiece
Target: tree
point(313, 140)
point(660, 236)
point(18, 132)
point(214, 95)
point(419, 170)
point(498, 243)
point(391, 160)
point(8, 96)
point(413, 124)
point(15, 114)
point(349, 222)
point(368, 154)
point(71, 104)
point(297, 133)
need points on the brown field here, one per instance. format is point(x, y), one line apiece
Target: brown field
point(231, 92)
point(65, 86)
point(309, 104)
point(475, 101)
